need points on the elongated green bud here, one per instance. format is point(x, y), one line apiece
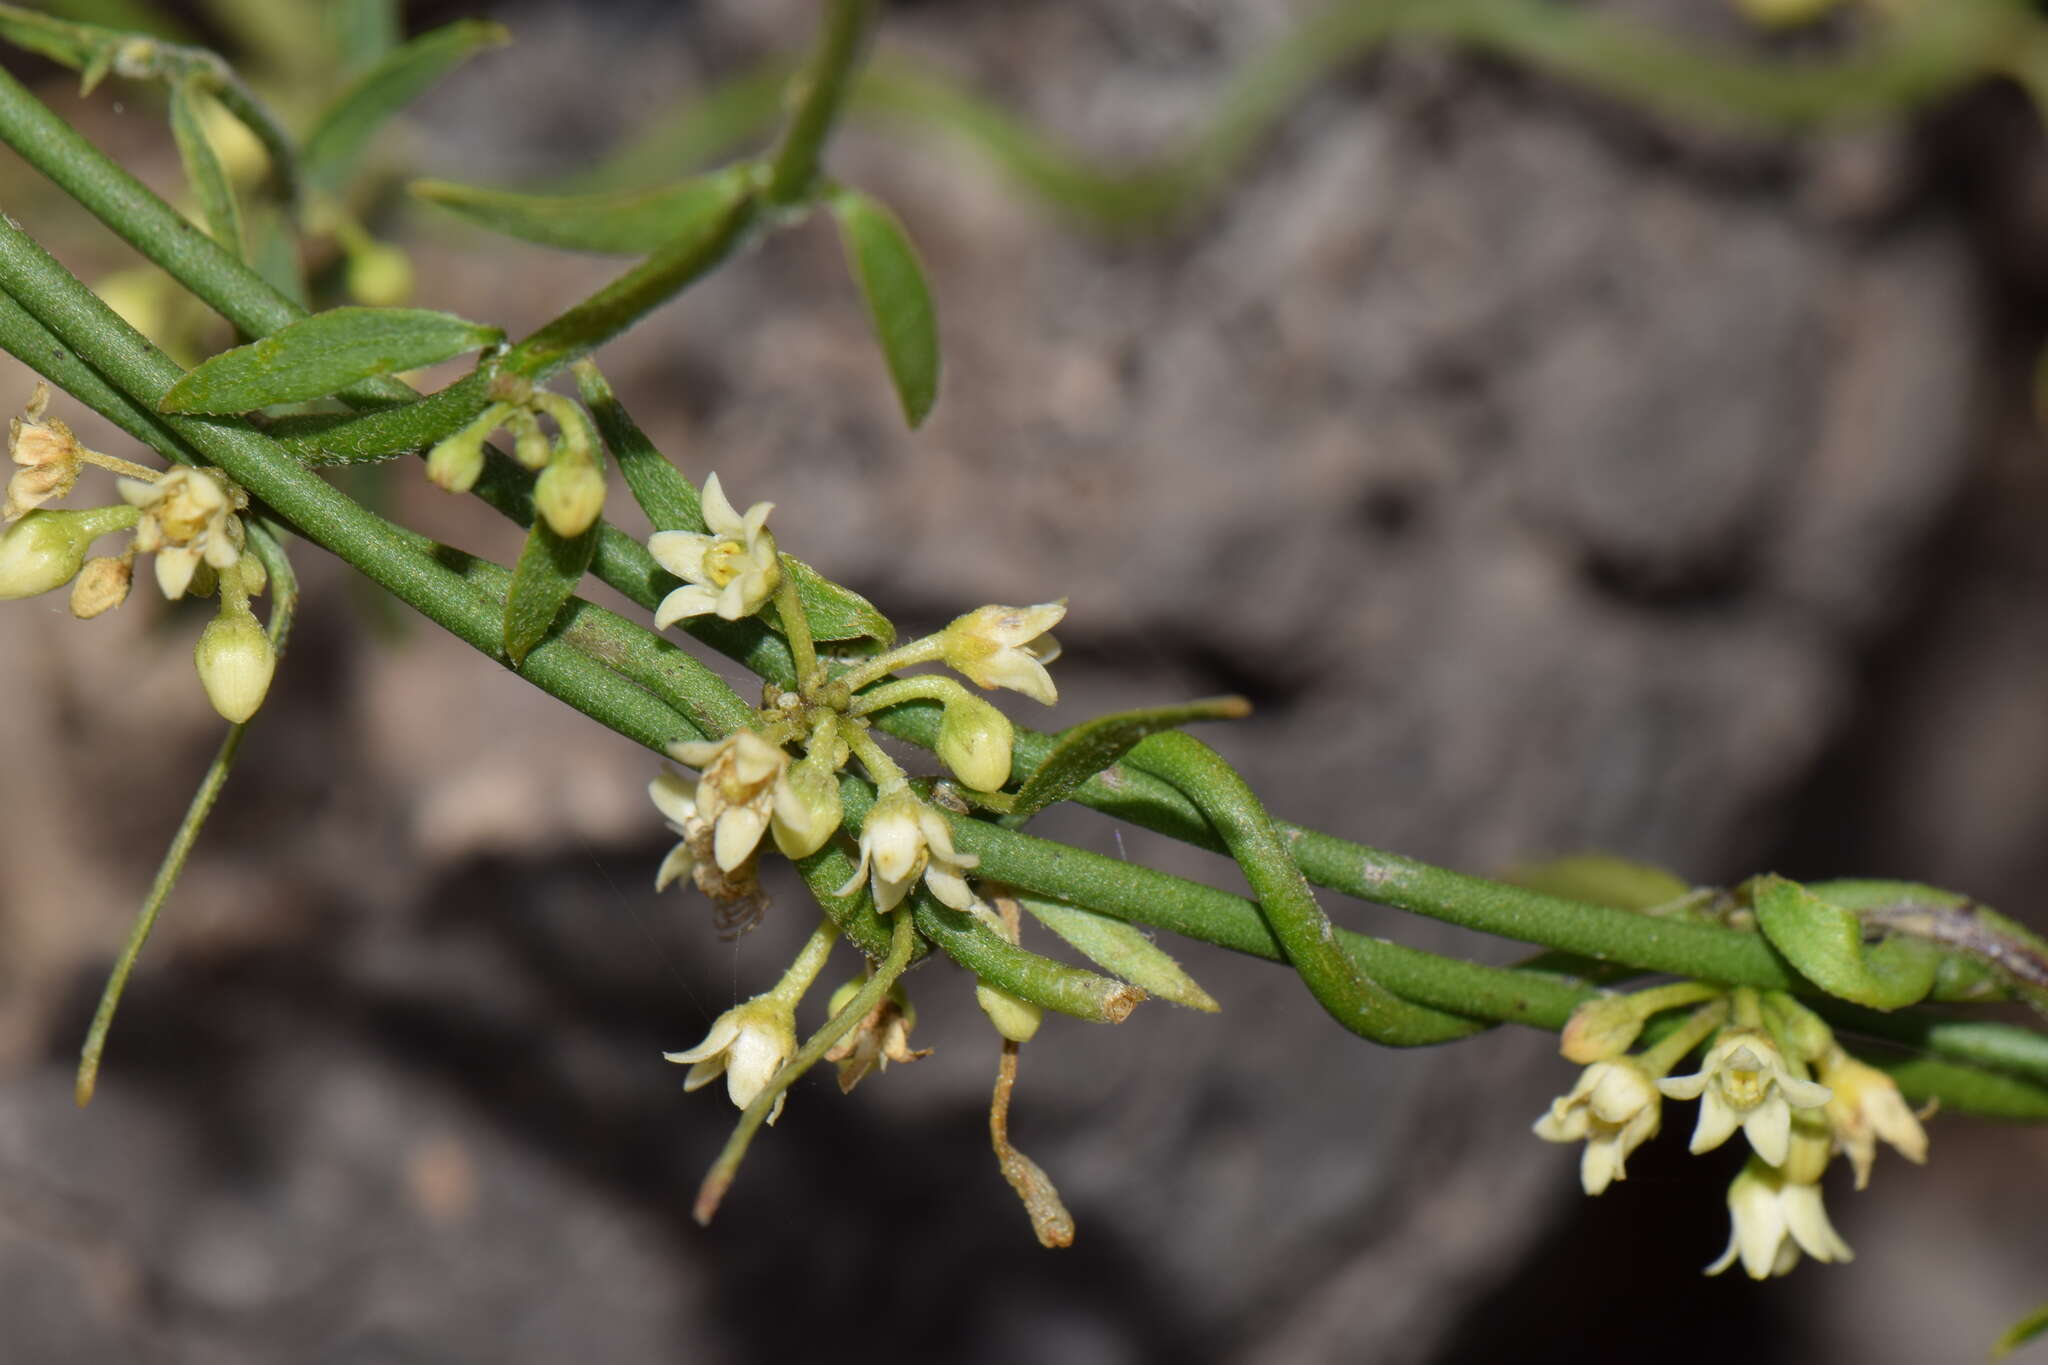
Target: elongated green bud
point(235, 663)
point(974, 741)
point(570, 494)
point(529, 443)
point(456, 461)
point(45, 550)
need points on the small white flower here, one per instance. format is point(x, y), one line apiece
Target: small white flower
point(1775, 1218)
point(730, 572)
point(187, 516)
point(747, 1044)
point(672, 796)
point(1613, 1108)
point(736, 794)
point(903, 838)
point(1007, 647)
point(1866, 1107)
point(48, 455)
point(1745, 1084)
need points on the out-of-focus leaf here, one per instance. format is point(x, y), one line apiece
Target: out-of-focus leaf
point(363, 32)
point(210, 181)
point(1088, 748)
point(2027, 1329)
point(1601, 879)
point(545, 578)
point(627, 223)
point(1122, 950)
point(324, 354)
point(343, 132)
point(899, 303)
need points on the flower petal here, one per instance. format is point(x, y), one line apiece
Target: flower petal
point(1718, 1121)
point(1769, 1129)
point(677, 864)
point(671, 794)
point(739, 830)
point(175, 565)
point(681, 552)
point(687, 601)
point(718, 514)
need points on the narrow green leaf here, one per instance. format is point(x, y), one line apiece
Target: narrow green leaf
point(837, 614)
point(324, 354)
point(342, 133)
point(669, 500)
point(1601, 879)
point(1122, 950)
point(899, 304)
point(1824, 942)
point(545, 579)
point(1088, 748)
point(210, 181)
point(363, 32)
point(627, 223)
point(2020, 1333)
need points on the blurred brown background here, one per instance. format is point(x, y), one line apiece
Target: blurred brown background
point(1553, 477)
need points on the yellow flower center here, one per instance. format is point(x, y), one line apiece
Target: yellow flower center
point(724, 562)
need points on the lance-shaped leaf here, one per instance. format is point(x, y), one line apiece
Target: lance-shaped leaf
point(899, 303)
point(1123, 950)
point(837, 614)
point(545, 579)
point(324, 354)
point(339, 138)
point(210, 181)
point(625, 223)
point(1824, 942)
point(1093, 745)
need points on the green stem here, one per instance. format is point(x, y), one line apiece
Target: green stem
point(810, 960)
point(1297, 922)
point(886, 772)
point(796, 628)
point(1676, 1045)
point(926, 687)
point(720, 1177)
point(821, 89)
point(920, 651)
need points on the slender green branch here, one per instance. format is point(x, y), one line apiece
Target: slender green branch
point(821, 90)
point(1296, 922)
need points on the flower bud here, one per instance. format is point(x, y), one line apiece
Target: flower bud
point(570, 494)
point(456, 462)
point(255, 578)
point(529, 443)
point(380, 275)
point(45, 550)
point(1017, 1020)
point(101, 585)
point(974, 741)
point(1600, 1028)
point(235, 663)
point(807, 807)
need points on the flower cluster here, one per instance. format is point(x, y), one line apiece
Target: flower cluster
point(190, 519)
point(1753, 1079)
